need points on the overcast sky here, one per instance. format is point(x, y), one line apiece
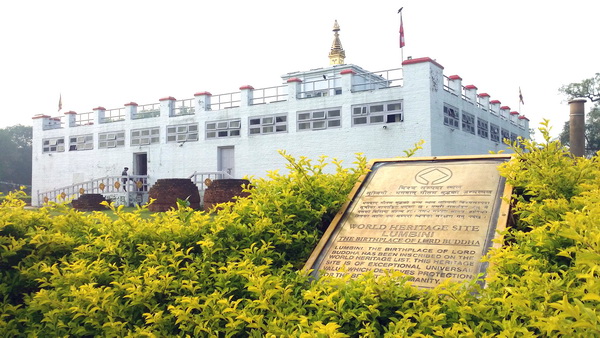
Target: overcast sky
point(107, 53)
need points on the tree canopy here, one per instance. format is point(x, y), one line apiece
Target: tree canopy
point(15, 162)
point(588, 88)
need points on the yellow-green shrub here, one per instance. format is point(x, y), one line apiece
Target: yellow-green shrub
point(236, 272)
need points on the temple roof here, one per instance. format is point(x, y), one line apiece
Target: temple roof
point(337, 54)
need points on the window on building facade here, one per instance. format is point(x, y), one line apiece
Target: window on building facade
point(513, 137)
point(451, 117)
point(494, 133)
point(505, 134)
point(224, 128)
point(267, 124)
point(384, 112)
point(111, 140)
point(182, 133)
point(482, 128)
point(146, 136)
point(53, 145)
point(468, 123)
point(81, 142)
point(319, 119)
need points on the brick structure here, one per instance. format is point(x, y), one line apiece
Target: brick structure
point(222, 191)
point(167, 191)
point(89, 202)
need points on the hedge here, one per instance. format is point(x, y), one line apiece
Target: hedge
point(237, 272)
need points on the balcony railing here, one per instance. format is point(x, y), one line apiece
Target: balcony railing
point(184, 107)
point(224, 101)
point(147, 111)
point(377, 80)
point(269, 95)
point(84, 119)
point(114, 115)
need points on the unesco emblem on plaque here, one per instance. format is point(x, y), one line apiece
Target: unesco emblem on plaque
point(430, 218)
point(433, 175)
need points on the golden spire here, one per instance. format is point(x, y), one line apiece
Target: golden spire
point(337, 54)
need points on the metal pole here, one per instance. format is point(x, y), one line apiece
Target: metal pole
point(577, 127)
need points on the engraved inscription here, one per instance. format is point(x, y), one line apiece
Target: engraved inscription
point(432, 222)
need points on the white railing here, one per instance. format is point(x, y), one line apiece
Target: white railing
point(377, 80)
point(84, 119)
point(145, 111)
point(268, 95)
point(200, 180)
point(130, 187)
point(114, 115)
point(184, 107)
point(224, 101)
point(320, 88)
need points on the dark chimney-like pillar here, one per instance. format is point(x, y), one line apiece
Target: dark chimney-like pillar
point(577, 127)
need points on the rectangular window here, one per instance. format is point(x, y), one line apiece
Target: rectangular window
point(494, 133)
point(377, 113)
point(53, 145)
point(182, 133)
point(267, 124)
point(81, 142)
point(505, 134)
point(513, 137)
point(111, 140)
point(146, 136)
point(224, 128)
point(320, 119)
point(451, 116)
point(468, 123)
point(482, 128)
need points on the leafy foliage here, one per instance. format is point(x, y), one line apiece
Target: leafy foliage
point(588, 88)
point(235, 273)
point(15, 162)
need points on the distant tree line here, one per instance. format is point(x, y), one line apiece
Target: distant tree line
point(15, 157)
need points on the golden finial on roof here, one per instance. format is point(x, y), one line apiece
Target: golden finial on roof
point(337, 54)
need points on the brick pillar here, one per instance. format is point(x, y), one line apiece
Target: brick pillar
point(246, 95)
point(99, 113)
point(71, 119)
point(130, 110)
point(455, 84)
point(294, 88)
point(471, 93)
point(166, 106)
point(202, 101)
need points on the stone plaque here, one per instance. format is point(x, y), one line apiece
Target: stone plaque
point(430, 218)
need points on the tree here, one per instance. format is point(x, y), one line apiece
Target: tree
point(15, 162)
point(590, 89)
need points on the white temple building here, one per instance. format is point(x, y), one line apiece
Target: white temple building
point(337, 111)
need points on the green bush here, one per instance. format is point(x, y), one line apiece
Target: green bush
point(236, 273)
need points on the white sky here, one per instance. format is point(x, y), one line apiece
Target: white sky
point(107, 53)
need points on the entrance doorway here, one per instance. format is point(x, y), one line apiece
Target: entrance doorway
point(140, 164)
point(140, 168)
point(226, 160)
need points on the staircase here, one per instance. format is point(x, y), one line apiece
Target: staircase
point(133, 190)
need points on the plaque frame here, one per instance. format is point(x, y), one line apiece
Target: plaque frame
point(498, 217)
